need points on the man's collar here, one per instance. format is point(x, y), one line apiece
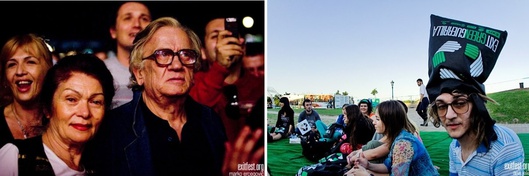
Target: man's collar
point(481, 148)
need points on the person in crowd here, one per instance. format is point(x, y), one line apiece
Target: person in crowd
point(407, 155)
point(367, 108)
point(358, 128)
point(129, 19)
point(253, 60)
point(479, 146)
point(162, 125)
point(222, 83)
point(340, 120)
point(376, 150)
point(310, 115)
point(285, 121)
point(24, 61)
point(358, 131)
point(423, 102)
point(76, 93)
point(249, 145)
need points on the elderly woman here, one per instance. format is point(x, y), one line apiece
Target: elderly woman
point(24, 62)
point(162, 131)
point(75, 95)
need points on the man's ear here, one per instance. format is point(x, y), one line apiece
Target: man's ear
point(112, 31)
point(204, 56)
point(138, 74)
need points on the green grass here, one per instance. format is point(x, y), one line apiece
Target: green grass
point(513, 106)
point(286, 159)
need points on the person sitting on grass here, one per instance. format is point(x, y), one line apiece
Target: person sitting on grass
point(285, 121)
point(377, 149)
point(367, 108)
point(311, 116)
point(340, 119)
point(407, 155)
point(479, 146)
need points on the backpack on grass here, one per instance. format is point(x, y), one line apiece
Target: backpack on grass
point(313, 148)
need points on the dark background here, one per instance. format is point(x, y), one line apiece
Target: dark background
point(82, 24)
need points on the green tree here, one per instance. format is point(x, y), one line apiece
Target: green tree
point(276, 99)
point(337, 92)
point(345, 93)
point(374, 92)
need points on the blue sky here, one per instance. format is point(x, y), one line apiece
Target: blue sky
point(319, 47)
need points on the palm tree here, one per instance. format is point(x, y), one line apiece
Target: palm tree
point(374, 92)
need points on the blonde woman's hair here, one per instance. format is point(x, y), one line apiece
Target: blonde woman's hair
point(32, 44)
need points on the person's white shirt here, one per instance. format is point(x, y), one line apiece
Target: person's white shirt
point(121, 75)
point(422, 90)
point(9, 162)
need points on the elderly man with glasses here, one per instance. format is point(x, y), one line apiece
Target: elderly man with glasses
point(162, 131)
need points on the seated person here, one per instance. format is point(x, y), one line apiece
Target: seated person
point(376, 150)
point(285, 121)
point(310, 115)
point(340, 119)
point(407, 154)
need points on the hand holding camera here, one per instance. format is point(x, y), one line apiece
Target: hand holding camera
point(229, 48)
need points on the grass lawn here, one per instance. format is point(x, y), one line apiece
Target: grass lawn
point(286, 159)
point(512, 106)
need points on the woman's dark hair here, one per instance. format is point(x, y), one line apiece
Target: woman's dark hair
point(394, 117)
point(360, 128)
point(369, 105)
point(285, 101)
point(82, 63)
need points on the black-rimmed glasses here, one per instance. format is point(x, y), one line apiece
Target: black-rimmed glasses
point(459, 106)
point(165, 57)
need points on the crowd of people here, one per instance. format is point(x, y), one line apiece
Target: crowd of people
point(159, 107)
point(396, 146)
point(171, 102)
point(454, 98)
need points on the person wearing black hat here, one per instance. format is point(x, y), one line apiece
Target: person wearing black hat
point(459, 63)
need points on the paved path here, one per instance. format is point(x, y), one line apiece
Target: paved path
point(412, 114)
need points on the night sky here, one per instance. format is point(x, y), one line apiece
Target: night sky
point(77, 24)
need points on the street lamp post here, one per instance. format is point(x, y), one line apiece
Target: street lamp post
point(392, 82)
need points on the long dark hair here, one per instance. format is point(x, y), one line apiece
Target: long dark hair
point(360, 128)
point(286, 103)
point(286, 107)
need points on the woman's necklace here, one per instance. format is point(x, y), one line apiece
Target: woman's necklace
point(19, 124)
